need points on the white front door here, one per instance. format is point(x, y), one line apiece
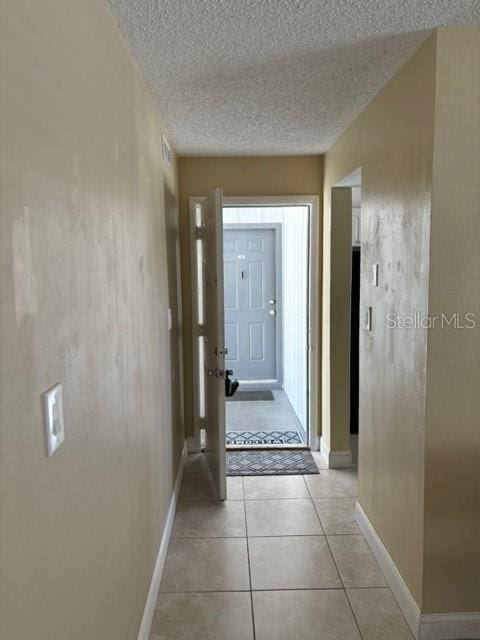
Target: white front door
point(215, 341)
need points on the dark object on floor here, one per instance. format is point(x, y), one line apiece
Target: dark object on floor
point(270, 463)
point(231, 386)
point(259, 438)
point(252, 396)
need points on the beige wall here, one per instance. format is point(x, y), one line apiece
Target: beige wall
point(392, 142)
point(336, 277)
point(417, 144)
point(452, 443)
point(84, 298)
point(258, 176)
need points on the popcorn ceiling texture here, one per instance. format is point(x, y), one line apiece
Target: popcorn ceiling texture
point(252, 77)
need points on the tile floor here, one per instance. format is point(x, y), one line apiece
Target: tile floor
point(282, 558)
point(278, 415)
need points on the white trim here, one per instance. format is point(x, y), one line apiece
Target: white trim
point(450, 626)
point(336, 459)
point(399, 588)
point(196, 448)
point(152, 596)
point(313, 202)
point(427, 626)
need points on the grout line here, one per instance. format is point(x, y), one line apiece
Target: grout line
point(344, 588)
point(275, 589)
point(187, 499)
point(270, 535)
point(279, 590)
point(248, 561)
point(353, 613)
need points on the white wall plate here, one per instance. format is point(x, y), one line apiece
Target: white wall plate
point(53, 418)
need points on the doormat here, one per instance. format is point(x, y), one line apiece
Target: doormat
point(270, 463)
point(262, 438)
point(251, 396)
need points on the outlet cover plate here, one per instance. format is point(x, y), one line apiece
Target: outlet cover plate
point(53, 418)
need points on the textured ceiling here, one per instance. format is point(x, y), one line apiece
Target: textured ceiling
point(261, 77)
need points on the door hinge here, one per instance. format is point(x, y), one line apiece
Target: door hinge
point(201, 331)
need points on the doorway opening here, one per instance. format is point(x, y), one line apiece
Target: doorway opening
point(353, 183)
point(267, 267)
point(263, 375)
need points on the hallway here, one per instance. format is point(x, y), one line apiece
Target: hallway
point(282, 558)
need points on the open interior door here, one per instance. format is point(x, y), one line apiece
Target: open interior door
point(215, 341)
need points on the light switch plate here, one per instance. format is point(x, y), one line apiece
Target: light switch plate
point(368, 318)
point(53, 418)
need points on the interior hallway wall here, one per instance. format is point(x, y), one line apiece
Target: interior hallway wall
point(452, 438)
point(392, 142)
point(417, 144)
point(240, 176)
point(294, 276)
point(84, 299)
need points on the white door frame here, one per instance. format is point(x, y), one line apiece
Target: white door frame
point(277, 229)
point(312, 202)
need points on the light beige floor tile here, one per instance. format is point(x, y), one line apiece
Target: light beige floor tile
point(235, 488)
point(202, 616)
point(378, 615)
point(265, 487)
point(209, 519)
point(198, 486)
point(337, 514)
point(333, 483)
point(293, 562)
point(212, 564)
point(196, 463)
point(282, 518)
point(303, 615)
point(355, 562)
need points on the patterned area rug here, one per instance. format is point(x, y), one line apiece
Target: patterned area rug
point(269, 437)
point(251, 396)
point(270, 463)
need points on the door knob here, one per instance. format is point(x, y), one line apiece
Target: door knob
point(271, 301)
point(272, 312)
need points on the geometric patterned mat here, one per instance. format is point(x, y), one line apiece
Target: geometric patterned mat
point(270, 463)
point(251, 396)
point(258, 438)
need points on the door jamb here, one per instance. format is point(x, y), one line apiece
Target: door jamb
point(314, 284)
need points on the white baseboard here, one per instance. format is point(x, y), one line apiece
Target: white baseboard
point(192, 446)
point(314, 442)
point(450, 626)
point(395, 581)
point(336, 459)
point(152, 596)
point(438, 626)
